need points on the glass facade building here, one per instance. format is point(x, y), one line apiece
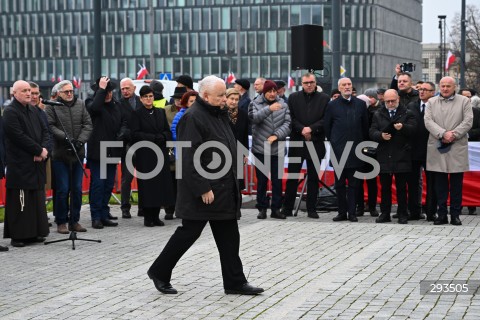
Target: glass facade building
point(42, 40)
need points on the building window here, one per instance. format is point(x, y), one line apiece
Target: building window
point(425, 64)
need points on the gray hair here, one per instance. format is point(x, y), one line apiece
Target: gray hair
point(207, 83)
point(62, 84)
point(127, 79)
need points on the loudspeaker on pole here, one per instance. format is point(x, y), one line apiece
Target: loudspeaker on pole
point(307, 47)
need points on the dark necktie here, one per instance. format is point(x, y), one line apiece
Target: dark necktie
point(422, 109)
point(392, 113)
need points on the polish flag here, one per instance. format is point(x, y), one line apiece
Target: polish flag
point(231, 78)
point(75, 82)
point(290, 82)
point(53, 78)
point(142, 72)
point(325, 44)
point(450, 60)
point(59, 78)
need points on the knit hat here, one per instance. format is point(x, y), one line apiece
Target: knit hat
point(232, 91)
point(244, 83)
point(269, 85)
point(280, 84)
point(156, 86)
point(186, 80)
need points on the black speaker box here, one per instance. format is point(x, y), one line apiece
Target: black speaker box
point(307, 47)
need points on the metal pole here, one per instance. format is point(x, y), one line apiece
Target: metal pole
point(462, 45)
point(336, 56)
point(152, 26)
point(238, 44)
point(97, 39)
point(445, 44)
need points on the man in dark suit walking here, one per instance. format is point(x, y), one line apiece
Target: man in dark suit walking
point(307, 108)
point(203, 199)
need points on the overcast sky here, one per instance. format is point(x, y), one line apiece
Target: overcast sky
point(432, 9)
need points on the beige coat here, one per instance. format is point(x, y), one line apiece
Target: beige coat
point(443, 115)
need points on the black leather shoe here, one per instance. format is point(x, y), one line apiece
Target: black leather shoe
point(17, 243)
point(384, 217)
point(340, 217)
point(276, 214)
point(287, 212)
point(412, 217)
point(422, 215)
point(374, 213)
point(126, 214)
point(312, 214)
point(403, 220)
point(169, 216)
point(456, 221)
point(430, 217)
point(147, 223)
point(157, 222)
point(472, 211)
point(262, 214)
point(110, 217)
point(140, 213)
point(109, 223)
point(2, 248)
point(97, 224)
point(353, 219)
point(163, 287)
point(440, 220)
point(246, 289)
point(395, 216)
point(360, 212)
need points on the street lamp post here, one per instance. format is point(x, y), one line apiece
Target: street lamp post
point(441, 26)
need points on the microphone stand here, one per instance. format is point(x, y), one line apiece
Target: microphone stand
point(73, 234)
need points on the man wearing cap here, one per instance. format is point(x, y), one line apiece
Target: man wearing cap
point(448, 118)
point(307, 108)
point(242, 86)
point(159, 101)
point(108, 123)
point(281, 90)
point(270, 118)
point(129, 102)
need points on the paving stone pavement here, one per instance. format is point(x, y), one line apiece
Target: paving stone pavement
point(310, 269)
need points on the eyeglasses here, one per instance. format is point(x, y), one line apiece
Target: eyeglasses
point(308, 83)
point(67, 91)
point(422, 89)
point(148, 97)
point(390, 101)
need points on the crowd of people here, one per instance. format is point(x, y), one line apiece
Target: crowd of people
point(416, 129)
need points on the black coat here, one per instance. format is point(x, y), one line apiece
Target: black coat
point(346, 121)
point(474, 132)
point(240, 128)
point(2, 149)
point(308, 110)
point(127, 112)
point(419, 138)
point(394, 155)
point(25, 136)
point(244, 102)
point(205, 123)
point(151, 125)
point(108, 121)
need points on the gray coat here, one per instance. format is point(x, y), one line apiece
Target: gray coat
point(266, 123)
point(77, 123)
point(443, 115)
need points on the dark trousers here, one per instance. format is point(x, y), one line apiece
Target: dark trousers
point(401, 186)
point(443, 186)
point(347, 202)
point(262, 183)
point(431, 197)
point(415, 189)
point(100, 190)
point(171, 209)
point(126, 188)
point(67, 199)
point(227, 238)
point(292, 186)
point(372, 189)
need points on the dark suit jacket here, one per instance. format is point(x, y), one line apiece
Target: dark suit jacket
point(307, 110)
point(419, 139)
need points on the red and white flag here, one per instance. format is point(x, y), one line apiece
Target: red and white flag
point(76, 82)
point(231, 78)
point(53, 78)
point(450, 60)
point(290, 83)
point(142, 72)
point(60, 78)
